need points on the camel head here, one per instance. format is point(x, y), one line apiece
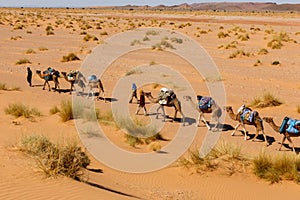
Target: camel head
point(228, 109)
point(38, 71)
point(64, 73)
point(268, 119)
point(187, 98)
point(147, 94)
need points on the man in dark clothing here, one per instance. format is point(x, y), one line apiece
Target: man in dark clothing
point(29, 76)
point(142, 104)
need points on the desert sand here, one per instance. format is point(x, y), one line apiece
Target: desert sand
point(19, 176)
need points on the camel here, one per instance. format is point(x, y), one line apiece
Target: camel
point(77, 78)
point(286, 135)
point(214, 109)
point(94, 82)
point(173, 103)
point(49, 77)
point(257, 122)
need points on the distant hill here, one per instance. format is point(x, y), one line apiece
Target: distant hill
point(224, 6)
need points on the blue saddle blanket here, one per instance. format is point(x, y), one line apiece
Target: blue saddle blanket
point(92, 78)
point(290, 125)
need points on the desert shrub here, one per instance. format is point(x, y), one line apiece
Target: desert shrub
point(16, 37)
point(276, 62)
point(54, 159)
point(298, 108)
point(257, 63)
point(152, 32)
point(275, 44)
point(35, 145)
point(107, 118)
point(29, 32)
point(230, 154)
point(176, 40)
point(70, 57)
point(22, 61)
point(49, 30)
point(3, 86)
point(19, 26)
point(54, 110)
point(19, 109)
point(104, 33)
point(135, 42)
point(43, 48)
point(133, 71)
point(267, 100)
point(66, 111)
point(244, 37)
point(146, 38)
point(263, 51)
point(274, 169)
point(240, 53)
point(223, 35)
point(90, 38)
point(30, 51)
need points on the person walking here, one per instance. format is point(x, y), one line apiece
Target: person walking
point(142, 103)
point(134, 93)
point(29, 76)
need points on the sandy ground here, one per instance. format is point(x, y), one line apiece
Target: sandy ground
point(19, 176)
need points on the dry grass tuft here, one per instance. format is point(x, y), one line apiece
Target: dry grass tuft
point(23, 61)
point(267, 100)
point(70, 57)
point(54, 159)
point(19, 109)
point(274, 169)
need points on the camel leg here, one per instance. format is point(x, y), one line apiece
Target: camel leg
point(205, 122)
point(175, 114)
point(48, 85)
point(44, 85)
point(235, 129)
point(245, 131)
point(183, 118)
point(290, 140)
point(267, 144)
point(283, 139)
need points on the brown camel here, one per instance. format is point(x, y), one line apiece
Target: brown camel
point(77, 78)
point(98, 85)
point(257, 122)
point(214, 109)
point(286, 135)
point(49, 77)
point(173, 103)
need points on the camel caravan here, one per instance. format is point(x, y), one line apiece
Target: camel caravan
point(167, 98)
point(73, 77)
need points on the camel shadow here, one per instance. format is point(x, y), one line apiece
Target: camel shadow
point(222, 127)
point(187, 120)
point(110, 99)
point(63, 90)
point(37, 85)
point(297, 149)
point(270, 139)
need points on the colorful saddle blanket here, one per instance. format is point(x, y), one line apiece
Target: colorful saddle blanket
point(205, 102)
point(71, 76)
point(166, 95)
point(290, 125)
point(248, 114)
